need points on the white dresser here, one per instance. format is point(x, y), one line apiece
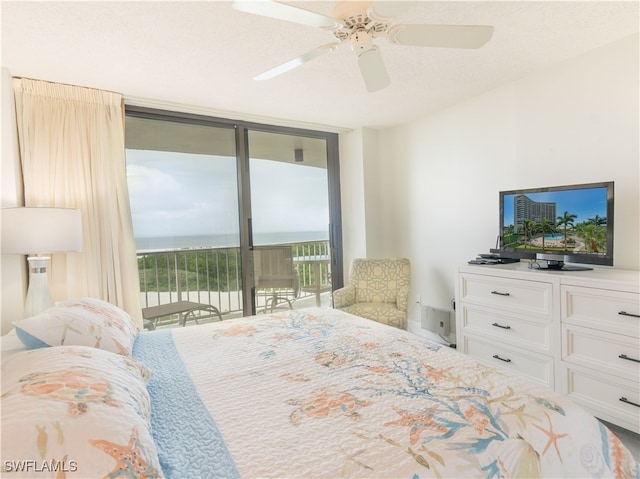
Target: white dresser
point(577, 333)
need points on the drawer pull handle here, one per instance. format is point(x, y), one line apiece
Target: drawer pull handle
point(501, 326)
point(624, 356)
point(624, 313)
point(505, 360)
point(499, 293)
point(623, 399)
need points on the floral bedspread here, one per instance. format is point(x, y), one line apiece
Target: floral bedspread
point(320, 393)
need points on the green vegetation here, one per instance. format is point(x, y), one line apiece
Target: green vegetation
point(208, 270)
point(590, 236)
point(566, 222)
point(198, 270)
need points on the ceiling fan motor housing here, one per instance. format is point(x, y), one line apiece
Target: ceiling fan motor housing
point(361, 29)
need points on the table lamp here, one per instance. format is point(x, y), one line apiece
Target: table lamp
point(37, 231)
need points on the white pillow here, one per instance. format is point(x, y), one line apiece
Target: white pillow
point(83, 321)
point(79, 409)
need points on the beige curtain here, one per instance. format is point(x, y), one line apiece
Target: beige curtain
point(71, 142)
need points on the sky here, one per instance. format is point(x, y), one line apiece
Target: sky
point(179, 194)
point(585, 203)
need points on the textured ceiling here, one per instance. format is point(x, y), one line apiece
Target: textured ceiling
point(204, 54)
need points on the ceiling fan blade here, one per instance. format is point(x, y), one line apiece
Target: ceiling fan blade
point(282, 11)
point(373, 70)
point(386, 9)
point(296, 62)
point(445, 36)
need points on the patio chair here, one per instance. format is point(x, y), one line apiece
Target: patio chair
point(275, 275)
point(183, 309)
point(378, 289)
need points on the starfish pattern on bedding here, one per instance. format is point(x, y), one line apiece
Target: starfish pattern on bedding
point(130, 461)
point(553, 437)
point(417, 423)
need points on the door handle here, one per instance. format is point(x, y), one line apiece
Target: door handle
point(625, 400)
point(624, 356)
point(501, 326)
point(502, 359)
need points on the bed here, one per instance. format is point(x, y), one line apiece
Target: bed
point(302, 393)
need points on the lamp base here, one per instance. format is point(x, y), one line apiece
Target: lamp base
point(38, 294)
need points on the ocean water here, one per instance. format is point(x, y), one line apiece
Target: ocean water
point(162, 243)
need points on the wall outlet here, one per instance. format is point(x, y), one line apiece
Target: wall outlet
point(435, 320)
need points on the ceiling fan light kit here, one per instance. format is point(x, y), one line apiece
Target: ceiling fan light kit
point(374, 73)
point(360, 28)
point(361, 41)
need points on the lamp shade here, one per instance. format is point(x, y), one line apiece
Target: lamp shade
point(41, 230)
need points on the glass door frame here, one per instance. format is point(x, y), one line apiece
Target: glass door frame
point(242, 129)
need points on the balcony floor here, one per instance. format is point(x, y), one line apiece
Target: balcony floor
point(300, 303)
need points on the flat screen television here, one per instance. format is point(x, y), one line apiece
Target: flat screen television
point(557, 225)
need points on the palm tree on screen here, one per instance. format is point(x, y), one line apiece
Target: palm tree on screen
point(528, 228)
point(546, 227)
point(566, 221)
point(595, 239)
point(597, 220)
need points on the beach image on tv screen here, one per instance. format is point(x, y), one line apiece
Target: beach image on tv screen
point(573, 220)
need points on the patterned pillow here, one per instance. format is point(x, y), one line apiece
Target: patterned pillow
point(84, 321)
point(79, 410)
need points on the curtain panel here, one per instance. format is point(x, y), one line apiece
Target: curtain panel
point(71, 143)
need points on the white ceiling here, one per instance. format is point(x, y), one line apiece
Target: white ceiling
point(203, 54)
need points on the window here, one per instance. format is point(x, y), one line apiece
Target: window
point(204, 191)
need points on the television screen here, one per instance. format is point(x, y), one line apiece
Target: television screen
point(562, 224)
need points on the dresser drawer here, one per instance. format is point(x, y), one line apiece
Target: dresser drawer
point(507, 328)
point(536, 367)
point(605, 397)
point(612, 354)
point(525, 297)
point(611, 311)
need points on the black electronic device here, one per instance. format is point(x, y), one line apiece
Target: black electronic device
point(508, 260)
point(557, 225)
point(492, 259)
point(483, 261)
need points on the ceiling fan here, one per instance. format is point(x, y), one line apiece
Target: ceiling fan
point(360, 23)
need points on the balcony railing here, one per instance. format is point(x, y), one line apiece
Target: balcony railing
point(213, 276)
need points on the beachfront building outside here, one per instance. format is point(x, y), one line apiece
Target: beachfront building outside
point(524, 208)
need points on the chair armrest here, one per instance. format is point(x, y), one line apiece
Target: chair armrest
point(344, 297)
point(402, 301)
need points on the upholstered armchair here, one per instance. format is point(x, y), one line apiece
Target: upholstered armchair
point(378, 289)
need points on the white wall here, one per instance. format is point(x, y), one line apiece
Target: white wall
point(352, 198)
point(13, 282)
point(360, 185)
point(576, 122)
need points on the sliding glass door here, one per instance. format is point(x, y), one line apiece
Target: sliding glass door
point(209, 197)
point(183, 190)
point(289, 220)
